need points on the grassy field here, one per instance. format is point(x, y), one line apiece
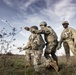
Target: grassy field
point(15, 65)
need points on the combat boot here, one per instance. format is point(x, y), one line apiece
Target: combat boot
point(54, 65)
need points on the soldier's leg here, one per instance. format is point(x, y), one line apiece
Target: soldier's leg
point(53, 46)
point(55, 58)
point(53, 51)
point(27, 59)
point(72, 48)
point(53, 61)
point(47, 52)
point(37, 60)
point(67, 51)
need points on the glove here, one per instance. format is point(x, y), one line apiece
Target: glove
point(27, 28)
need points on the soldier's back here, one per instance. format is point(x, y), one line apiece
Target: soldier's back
point(51, 36)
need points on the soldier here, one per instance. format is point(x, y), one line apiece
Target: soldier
point(34, 48)
point(50, 38)
point(68, 37)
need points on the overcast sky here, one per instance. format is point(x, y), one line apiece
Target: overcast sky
point(21, 13)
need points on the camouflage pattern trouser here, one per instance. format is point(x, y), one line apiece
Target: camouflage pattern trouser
point(69, 45)
point(34, 57)
point(51, 49)
point(67, 50)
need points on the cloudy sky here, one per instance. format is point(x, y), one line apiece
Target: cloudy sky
point(21, 13)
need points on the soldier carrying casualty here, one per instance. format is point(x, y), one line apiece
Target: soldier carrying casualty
point(50, 38)
point(68, 37)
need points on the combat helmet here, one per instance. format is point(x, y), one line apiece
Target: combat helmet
point(43, 23)
point(65, 22)
point(35, 27)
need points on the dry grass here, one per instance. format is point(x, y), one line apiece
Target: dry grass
point(15, 65)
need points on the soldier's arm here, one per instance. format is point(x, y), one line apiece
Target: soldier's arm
point(59, 43)
point(43, 31)
point(74, 34)
point(47, 31)
point(27, 28)
point(37, 31)
point(61, 40)
point(34, 31)
point(28, 45)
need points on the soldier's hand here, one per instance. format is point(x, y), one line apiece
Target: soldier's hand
point(27, 28)
point(24, 48)
point(32, 30)
point(58, 47)
point(20, 49)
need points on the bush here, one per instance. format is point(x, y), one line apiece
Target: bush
point(9, 53)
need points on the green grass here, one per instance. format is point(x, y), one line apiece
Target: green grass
point(12, 65)
point(15, 65)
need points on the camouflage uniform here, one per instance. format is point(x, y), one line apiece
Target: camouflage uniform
point(68, 37)
point(51, 41)
point(35, 46)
